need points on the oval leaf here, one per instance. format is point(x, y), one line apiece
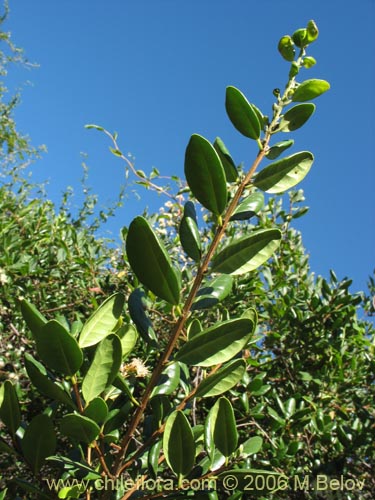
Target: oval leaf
point(223, 427)
point(178, 444)
point(150, 261)
point(102, 321)
point(249, 207)
point(217, 344)
point(230, 169)
point(276, 150)
point(223, 380)
point(213, 292)
point(80, 428)
point(58, 349)
point(168, 380)
point(10, 412)
point(34, 319)
point(104, 367)
point(96, 410)
point(242, 114)
point(38, 442)
point(285, 173)
point(128, 336)
point(310, 89)
point(296, 117)
point(252, 445)
point(189, 232)
point(205, 174)
point(247, 253)
point(137, 305)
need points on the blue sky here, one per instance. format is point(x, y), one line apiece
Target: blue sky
point(156, 72)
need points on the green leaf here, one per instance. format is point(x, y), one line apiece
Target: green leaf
point(178, 444)
point(217, 344)
point(137, 305)
point(310, 89)
point(39, 378)
point(128, 336)
point(168, 380)
point(75, 469)
point(96, 410)
point(38, 442)
point(104, 367)
point(95, 127)
point(249, 207)
point(153, 458)
point(213, 292)
point(58, 349)
point(242, 114)
point(296, 117)
point(79, 428)
point(278, 148)
point(102, 321)
point(230, 169)
point(223, 380)
point(252, 445)
point(285, 173)
point(223, 426)
point(189, 232)
point(10, 412)
point(150, 261)
point(247, 253)
point(34, 319)
point(205, 174)
point(286, 48)
point(312, 31)
point(194, 328)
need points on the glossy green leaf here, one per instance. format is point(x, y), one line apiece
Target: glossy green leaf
point(213, 292)
point(39, 378)
point(217, 344)
point(104, 367)
point(178, 444)
point(150, 261)
point(300, 37)
point(79, 428)
point(137, 305)
point(285, 173)
point(58, 349)
point(296, 117)
point(249, 207)
point(222, 426)
point(252, 445)
point(128, 336)
point(312, 31)
point(10, 412)
point(153, 458)
point(38, 442)
point(310, 89)
point(230, 168)
point(189, 232)
point(205, 174)
point(278, 148)
point(168, 380)
point(34, 319)
point(286, 48)
point(242, 114)
point(223, 380)
point(102, 321)
point(194, 328)
point(247, 253)
point(96, 410)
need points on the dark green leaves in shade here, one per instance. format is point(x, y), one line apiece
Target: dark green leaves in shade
point(221, 427)
point(205, 174)
point(150, 261)
point(38, 442)
point(278, 148)
point(213, 292)
point(249, 207)
point(242, 114)
point(217, 344)
point(102, 321)
point(310, 89)
point(223, 380)
point(79, 428)
point(296, 117)
point(285, 173)
point(247, 253)
point(286, 48)
point(137, 305)
point(10, 412)
point(39, 378)
point(58, 349)
point(231, 172)
point(104, 367)
point(189, 232)
point(168, 380)
point(178, 444)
